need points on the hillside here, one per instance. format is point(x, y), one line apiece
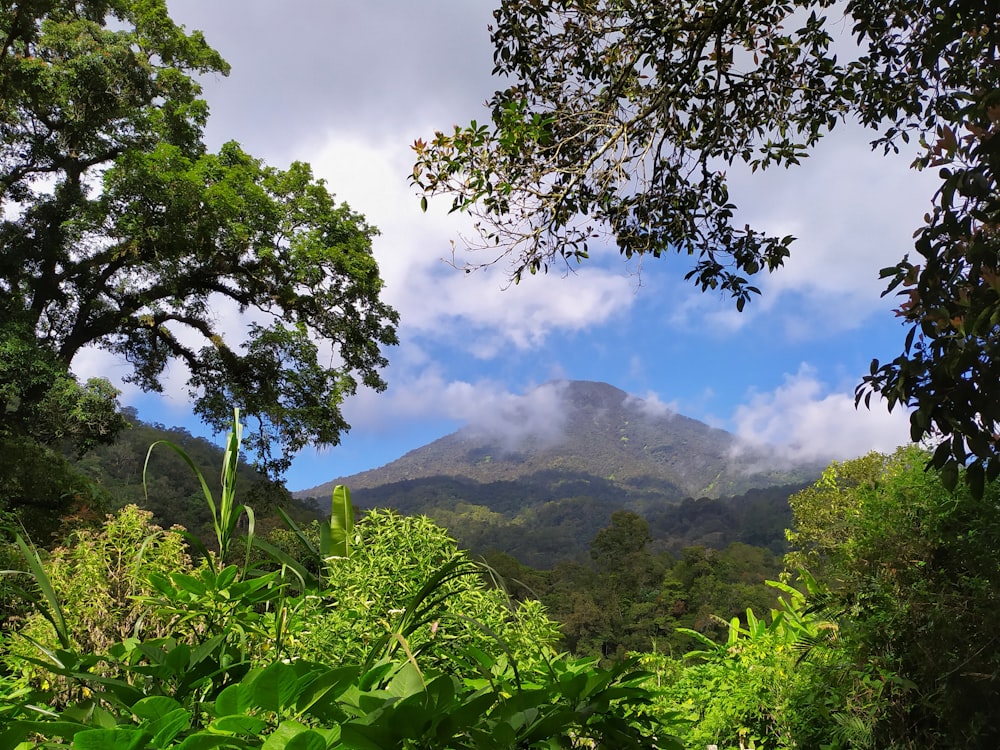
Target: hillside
point(539, 480)
point(172, 491)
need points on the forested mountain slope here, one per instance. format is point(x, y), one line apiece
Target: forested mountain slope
point(540, 480)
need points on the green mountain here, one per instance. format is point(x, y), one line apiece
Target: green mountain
point(539, 479)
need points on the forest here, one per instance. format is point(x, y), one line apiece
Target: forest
point(146, 606)
point(381, 632)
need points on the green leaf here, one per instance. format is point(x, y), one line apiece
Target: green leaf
point(154, 707)
point(286, 733)
point(110, 739)
point(327, 687)
point(276, 688)
point(308, 740)
point(208, 741)
point(233, 699)
point(16, 732)
point(237, 724)
point(167, 727)
point(341, 522)
point(53, 613)
point(226, 577)
point(188, 583)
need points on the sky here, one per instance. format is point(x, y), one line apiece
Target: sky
point(348, 86)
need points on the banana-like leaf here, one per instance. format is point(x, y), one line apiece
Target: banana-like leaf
point(341, 528)
point(226, 513)
point(53, 613)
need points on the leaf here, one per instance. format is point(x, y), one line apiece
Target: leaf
point(167, 727)
point(326, 687)
point(238, 724)
point(308, 740)
point(110, 739)
point(154, 707)
point(207, 741)
point(53, 613)
point(341, 522)
point(276, 688)
point(282, 737)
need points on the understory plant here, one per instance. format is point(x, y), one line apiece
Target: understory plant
point(375, 635)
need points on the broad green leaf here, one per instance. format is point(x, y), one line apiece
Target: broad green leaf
point(341, 523)
point(309, 740)
point(276, 688)
point(154, 707)
point(208, 741)
point(285, 732)
point(326, 688)
point(167, 727)
point(238, 724)
point(110, 739)
point(188, 583)
point(226, 577)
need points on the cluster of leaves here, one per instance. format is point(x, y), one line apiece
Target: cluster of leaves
point(891, 643)
point(751, 688)
point(913, 569)
point(167, 652)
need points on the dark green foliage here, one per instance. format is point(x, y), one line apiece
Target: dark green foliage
point(546, 519)
point(121, 231)
point(44, 414)
point(172, 492)
point(915, 575)
point(631, 600)
point(42, 489)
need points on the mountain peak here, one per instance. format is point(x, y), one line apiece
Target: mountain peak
point(591, 394)
point(587, 428)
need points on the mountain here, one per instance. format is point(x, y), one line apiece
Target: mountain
point(537, 478)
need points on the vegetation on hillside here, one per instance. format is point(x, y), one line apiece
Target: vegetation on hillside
point(381, 633)
point(369, 635)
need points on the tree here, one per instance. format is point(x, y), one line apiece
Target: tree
point(622, 117)
point(120, 230)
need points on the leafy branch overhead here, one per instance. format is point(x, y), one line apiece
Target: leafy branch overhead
point(621, 119)
point(122, 231)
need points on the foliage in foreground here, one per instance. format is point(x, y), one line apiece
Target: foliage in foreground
point(210, 654)
point(894, 645)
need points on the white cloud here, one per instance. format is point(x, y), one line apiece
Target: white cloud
point(853, 212)
point(483, 404)
point(807, 420)
point(480, 311)
point(652, 406)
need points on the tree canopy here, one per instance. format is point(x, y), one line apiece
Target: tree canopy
point(622, 118)
point(121, 230)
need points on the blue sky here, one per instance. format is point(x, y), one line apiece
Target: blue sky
point(348, 87)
